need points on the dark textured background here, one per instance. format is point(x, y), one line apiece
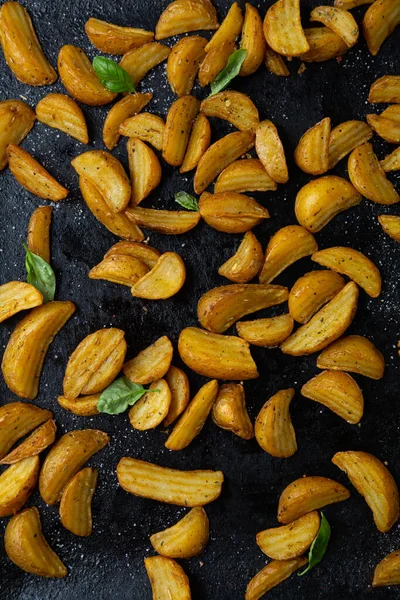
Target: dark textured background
point(109, 564)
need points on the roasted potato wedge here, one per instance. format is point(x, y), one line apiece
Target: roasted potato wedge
point(385, 89)
point(143, 252)
point(274, 573)
point(273, 427)
point(292, 540)
point(184, 62)
point(179, 386)
point(392, 161)
point(39, 232)
point(139, 61)
point(184, 488)
point(312, 151)
point(121, 269)
point(368, 177)
point(121, 113)
point(152, 408)
point(339, 20)
point(16, 121)
point(113, 39)
point(182, 16)
point(384, 126)
point(245, 175)
point(199, 141)
point(145, 170)
point(167, 578)
point(267, 333)
point(187, 538)
point(231, 212)
point(164, 280)
point(311, 292)
point(253, 41)
point(229, 30)
point(324, 44)
point(387, 572)
point(76, 502)
point(85, 406)
point(355, 354)
point(229, 411)
point(275, 63)
point(16, 420)
point(346, 137)
point(38, 441)
point(283, 30)
point(339, 392)
point(16, 296)
point(374, 482)
point(178, 125)
point(61, 112)
point(17, 484)
point(380, 20)
point(235, 107)
point(150, 364)
point(270, 150)
point(145, 126)
point(169, 222)
point(247, 261)
point(214, 61)
point(390, 225)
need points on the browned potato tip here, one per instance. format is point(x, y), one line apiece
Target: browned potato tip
point(229, 411)
point(16, 121)
point(187, 538)
point(182, 16)
point(273, 427)
point(76, 502)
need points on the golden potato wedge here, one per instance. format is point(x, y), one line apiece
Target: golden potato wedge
point(286, 246)
point(145, 126)
point(375, 483)
point(152, 408)
point(390, 225)
point(16, 121)
point(231, 212)
point(235, 107)
point(275, 63)
point(387, 571)
point(324, 45)
point(184, 62)
point(17, 484)
point(274, 573)
point(183, 488)
point(386, 128)
point(214, 61)
point(76, 502)
point(117, 223)
point(182, 16)
point(16, 420)
point(180, 118)
point(169, 222)
point(80, 79)
point(229, 30)
point(118, 268)
point(339, 20)
point(253, 41)
point(27, 547)
point(349, 4)
point(39, 232)
point(267, 333)
point(143, 252)
point(326, 326)
point(139, 61)
point(21, 46)
point(273, 427)
point(121, 113)
point(312, 151)
point(187, 538)
point(167, 578)
point(28, 344)
point(113, 39)
point(219, 155)
point(66, 458)
point(179, 386)
point(292, 540)
point(94, 363)
point(270, 151)
point(245, 175)
point(392, 161)
point(355, 354)
point(199, 141)
point(246, 262)
point(145, 170)
point(346, 137)
point(164, 280)
point(105, 172)
point(62, 112)
point(380, 20)
point(222, 306)
point(368, 177)
point(215, 355)
point(39, 440)
point(283, 30)
point(85, 406)
point(16, 296)
point(385, 89)
point(32, 176)
point(229, 411)
point(150, 364)
point(311, 292)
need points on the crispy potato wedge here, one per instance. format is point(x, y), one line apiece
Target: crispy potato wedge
point(385, 89)
point(21, 46)
point(182, 16)
point(150, 364)
point(32, 176)
point(375, 483)
point(292, 540)
point(390, 225)
point(346, 137)
point(392, 161)
point(170, 222)
point(349, 4)
point(324, 45)
point(184, 62)
point(139, 61)
point(16, 420)
point(326, 326)
point(187, 538)
point(380, 20)
point(192, 421)
point(118, 268)
point(145, 170)
point(283, 30)
point(229, 411)
point(267, 333)
point(80, 79)
point(39, 232)
point(215, 355)
point(62, 112)
point(270, 151)
point(17, 484)
point(312, 151)
point(167, 578)
point(164, 280)
point(16, 296)
point(235, 107)
point(180, 118)
point(143, 252)
point(231, 212)
point(76, 502)
point(339, 20)
point(27, 547)
point(120, 113)
point(387, 572)
point(253, 41)
point(229, 30)
point(179, 386)
point(222, 306)
point(246, 262)
point(214, 61)
point(39, 440)
point(16, 121)
point(245, 175)
point(66, 458)
point(273, 427)
point(275, 63)
point(387, 129)
point(113, 39)
point(368, 177)
point(85, 406)
point(28, 344)
point(286, 246)
point(145, 126)
point(152, 408)
point(311, 292)
point(199, 141)
point(274, 573)
point(355, 354)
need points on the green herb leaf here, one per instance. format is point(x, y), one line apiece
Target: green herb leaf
point(40, 274)
point(112, 75)
point(319, 545)
point(229, 72)
point(119, 395)
point(187, 201)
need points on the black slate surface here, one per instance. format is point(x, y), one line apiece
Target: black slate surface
point(109, 564)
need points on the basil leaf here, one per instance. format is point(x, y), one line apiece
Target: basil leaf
point(187, 201)
point(112, 75)
point(319, 545)
point(40, 274)
point(122, 393)
point(229, 72)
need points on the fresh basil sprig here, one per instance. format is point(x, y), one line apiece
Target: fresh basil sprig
point(40, 274)
point(119, 395)
point(112, 75)
point(319, 545)
point(229, 72)
point(186, 200)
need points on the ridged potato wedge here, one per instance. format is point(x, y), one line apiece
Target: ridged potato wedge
point(121, 269)
point(85, 406)
point(386, 127)
point(199, 141)
point(184, 62)
point(179, 123)
point(139, 61)
point(385, 89)
point(152, 408)
point(311, 292)
point(229, 30)
point(179, 386)
point(150, 364)
point(389, 223)
point(16, 121)
point(164, 280)
point(21, 46)
point(312, 151)
point(144, 168)
point(214, 61)
point(353, 353)
point(143, 252)
point(39, 232)
point(324, 45)
point(368, 177)
point(27, 547)
point(66, 458)
point(253, 41)
point(387, 571)
point(292, 540)
point(167, 578)
point(346, 137)
point(339, 392)
point(275, 63)
point(392, 161)
point(267, 333)
point(270, 151)
point(274, 573)
point(244, 175)
point(17, 483)
point(273, 427)
point(283, 30)
point(187, 538)
point(121, 112)
point(375, 483)
point(76, 502)
point(354, 265)
point(32, 176)
point(16, 420)
point(231, 212)
point(182, 16)
point(229, 411)
point(235, 107)
point(39, 440)
point(380, 20)
point(246, 262)
point(216, 355)
point(286, 246)
point(145, 126)
point(221, 307)
point(183, 488)
point(62, 112)
point(113, 39)
point(28, 344)
point(16, 296)
point(169, 222)
point(339, 20)
point(80, 79)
